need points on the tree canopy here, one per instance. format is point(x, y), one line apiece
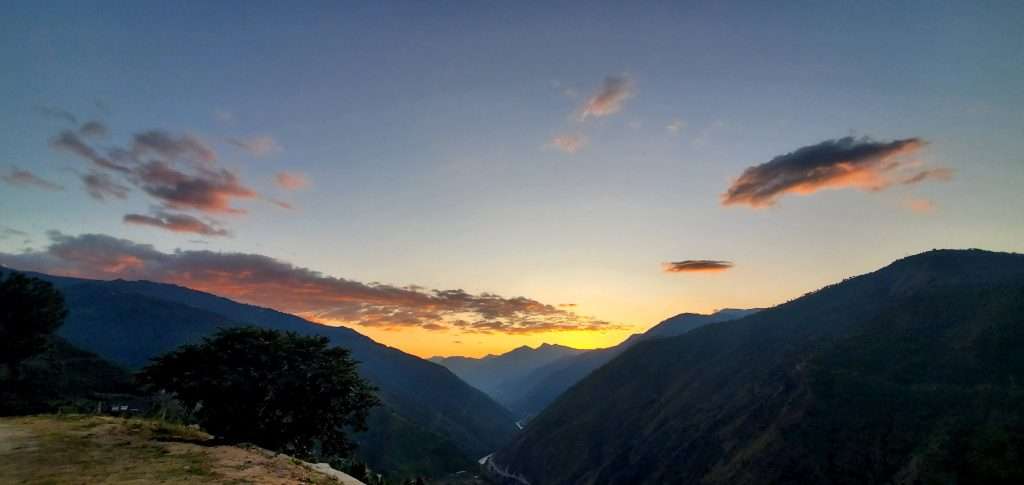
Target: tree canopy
point(30, 311)
point(282, 391)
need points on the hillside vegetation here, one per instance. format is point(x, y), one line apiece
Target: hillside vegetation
point(531, 393)
point(910, 374)
point(431, 423)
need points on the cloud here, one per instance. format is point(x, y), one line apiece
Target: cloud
point(919, 206)
point(675, 126)
point(257, 146)
point(266, 281)
point(101, 185)
point(94, 129)
point(570, 143)
point(70, 142)
point(696, 266)
point(23, 178)
point(206, 190)
point(57, 113)
point(832, 164)
point(224, 116)
point(938, 174)
point(703, 137)
point(173, 148)
point(176, 223)
point(608, 100)
point(149, 164)
point(9, 232)
point(291, 180)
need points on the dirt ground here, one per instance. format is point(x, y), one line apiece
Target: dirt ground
point(62, 450)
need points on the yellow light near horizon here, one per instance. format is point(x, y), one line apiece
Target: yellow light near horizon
point(429, 343)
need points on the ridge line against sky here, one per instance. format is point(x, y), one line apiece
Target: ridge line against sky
point(753, 153)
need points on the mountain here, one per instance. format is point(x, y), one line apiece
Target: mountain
point(684, 322)
point(528, 395)
point(64, 377)
point(431, 421)
point(910, 374)
point(493, 374)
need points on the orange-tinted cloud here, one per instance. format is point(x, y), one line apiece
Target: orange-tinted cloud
point(696, 266)
point(609, 99)
point(570, 143)
point(262, 280)
point(204, 189)
point(919, 206)
point(176, 223)
point(833, 164)
point(23, 178)
point(291, 180)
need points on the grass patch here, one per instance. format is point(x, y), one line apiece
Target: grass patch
point(76, 449)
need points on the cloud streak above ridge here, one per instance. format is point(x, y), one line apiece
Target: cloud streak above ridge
point(262, 280)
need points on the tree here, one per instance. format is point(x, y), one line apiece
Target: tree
point(282, 391)
point(30, 311)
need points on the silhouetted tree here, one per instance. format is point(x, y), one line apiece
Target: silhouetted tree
point(30, 311)
point(280, 390)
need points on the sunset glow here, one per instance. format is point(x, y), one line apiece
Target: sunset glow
point(466, 180)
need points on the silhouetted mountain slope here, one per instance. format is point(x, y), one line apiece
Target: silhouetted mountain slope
point(684, 322)
point(910, 374)
point(494, 373)
point(63, 375)
point(529, 395)
point(129, 322)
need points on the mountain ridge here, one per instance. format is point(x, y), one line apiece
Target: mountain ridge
point(806, 391)
point(529, 389)
point(129, 322)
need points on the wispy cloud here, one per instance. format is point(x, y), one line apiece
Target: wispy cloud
point(70, 142)
point(166, 146)
point(291, 180)
point(23, 178)
point(675, 126)
point(257, 146)
point(9, 232)
point(919, 205)
point(266, 281)
point(832, 164)
point(607, 100)
point(176, 223)
point(94, 129)
point(224, 116)
point(101, 185)
point(178, 170)
point(569, 143)
point(696, 266)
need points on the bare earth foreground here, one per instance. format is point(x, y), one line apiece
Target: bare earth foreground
point(95, 449)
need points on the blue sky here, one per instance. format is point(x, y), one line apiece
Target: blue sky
point(425, 131)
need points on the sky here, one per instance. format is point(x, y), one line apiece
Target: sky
point(463, 178)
